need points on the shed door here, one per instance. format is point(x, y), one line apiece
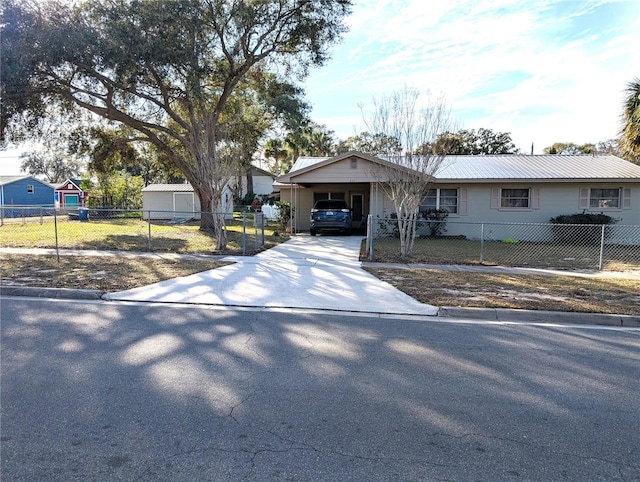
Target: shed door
point(183, 204)
point(70, 201)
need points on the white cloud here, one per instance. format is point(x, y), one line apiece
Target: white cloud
point(546, 70)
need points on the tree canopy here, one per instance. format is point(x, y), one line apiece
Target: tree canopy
point(170, 70)
point(472, 142)
point(569, 148)
point(369, 144)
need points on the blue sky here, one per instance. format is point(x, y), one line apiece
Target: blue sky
point(545, 71)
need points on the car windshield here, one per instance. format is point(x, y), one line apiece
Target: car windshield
point(331, 204)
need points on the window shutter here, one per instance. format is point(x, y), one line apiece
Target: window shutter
point(535, 198)
point(584, 198)
point(626, 198)
point(495, 198)
point(462, 208)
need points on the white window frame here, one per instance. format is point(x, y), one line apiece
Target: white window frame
point(587, 197)
point(460, 200)
point(533, 199)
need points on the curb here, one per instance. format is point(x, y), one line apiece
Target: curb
point(57, 293)
point(480, 314)
point(533, 316)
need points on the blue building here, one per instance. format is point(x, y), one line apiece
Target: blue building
point(20, 194)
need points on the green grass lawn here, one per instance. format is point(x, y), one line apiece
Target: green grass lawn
point(131, 235)
point(526, 254)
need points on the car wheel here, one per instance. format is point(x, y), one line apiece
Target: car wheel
point(313, 232)
point(347, 232)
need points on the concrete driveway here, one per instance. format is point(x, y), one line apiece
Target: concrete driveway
point(321, 272)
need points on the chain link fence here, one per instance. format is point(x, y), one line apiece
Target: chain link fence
point(247, 231)
point(557, 246)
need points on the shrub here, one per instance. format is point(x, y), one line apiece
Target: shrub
point(436, 221)
point(286, 211)
point(567, 231)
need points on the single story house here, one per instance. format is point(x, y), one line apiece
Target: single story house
point(170, 201)
point(262, 182)
point(474, 189)
point(68, 195)
point(18, 192)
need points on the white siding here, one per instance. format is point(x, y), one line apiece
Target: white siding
point(344, 171)
point(160, 205)
point(262, 184)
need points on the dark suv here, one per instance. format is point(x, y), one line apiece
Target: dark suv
point(330, 214)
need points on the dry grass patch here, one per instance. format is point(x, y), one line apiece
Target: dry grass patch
point(104, 273)
point(529, 292)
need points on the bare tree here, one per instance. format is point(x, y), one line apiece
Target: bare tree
point(406, 176)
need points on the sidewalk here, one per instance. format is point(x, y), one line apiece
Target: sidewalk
point(321, 273)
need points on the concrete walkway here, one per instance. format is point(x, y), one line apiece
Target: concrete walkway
point(321, 272)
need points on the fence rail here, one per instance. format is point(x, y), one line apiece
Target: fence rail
point(537, 245)
point(133, 230)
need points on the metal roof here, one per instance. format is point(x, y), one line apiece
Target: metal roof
point(541, 167)
point(168, 188)
point(521, 167)
point(303, 162)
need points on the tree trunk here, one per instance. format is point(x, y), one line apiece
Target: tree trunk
point(249, 181)
point(212, 214)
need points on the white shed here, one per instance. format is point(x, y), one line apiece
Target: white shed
point(170, 201)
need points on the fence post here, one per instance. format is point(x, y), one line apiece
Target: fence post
point(55, 229)
point(601, 248)
point(244, 233)
point(481, 243)
point(148, 228)
point(265, 221)
point(370, 237)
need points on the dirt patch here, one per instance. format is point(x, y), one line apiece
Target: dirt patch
point(103, 273)
point(529, 292)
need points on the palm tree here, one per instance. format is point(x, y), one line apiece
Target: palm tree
point(276, 150)
point(630, 134)
point(320, 142)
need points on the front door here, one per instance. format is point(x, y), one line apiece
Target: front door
point(357, 208)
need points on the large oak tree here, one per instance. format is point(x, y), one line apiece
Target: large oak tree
point(168, 69)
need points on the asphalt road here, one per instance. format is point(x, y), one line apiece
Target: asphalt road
point(117, 391)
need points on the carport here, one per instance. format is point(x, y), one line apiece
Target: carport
point(351, 177)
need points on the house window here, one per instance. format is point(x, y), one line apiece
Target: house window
point(440, 199)
point(514, 198)
point(604, 198)
point(29, 188)
point(318, 196)
point(354, 163)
